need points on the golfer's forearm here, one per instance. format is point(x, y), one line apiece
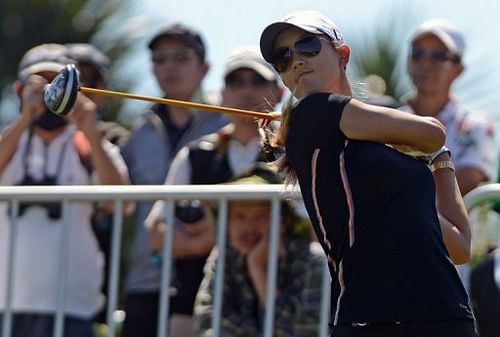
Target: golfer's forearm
point(454, 220)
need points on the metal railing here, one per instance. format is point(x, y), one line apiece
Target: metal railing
point(120, 194)
point(481, 195)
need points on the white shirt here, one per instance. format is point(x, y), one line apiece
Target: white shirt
point(38, 237)
point(469, 137)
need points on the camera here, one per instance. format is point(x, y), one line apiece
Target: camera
point(189, 211)
point(54, 209)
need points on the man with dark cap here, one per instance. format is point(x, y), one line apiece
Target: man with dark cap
point(179, 65)
point(42, 148)
point(252, 84)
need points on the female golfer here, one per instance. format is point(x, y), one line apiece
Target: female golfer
point(391, 225)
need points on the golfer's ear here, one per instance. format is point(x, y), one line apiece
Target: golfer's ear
point(344, 53)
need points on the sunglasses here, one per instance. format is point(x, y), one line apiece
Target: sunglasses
point(436, 55)
point(308, 46)
point(179, 55)
point(238, 81)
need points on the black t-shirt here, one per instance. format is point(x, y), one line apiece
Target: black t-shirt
point(373, 210)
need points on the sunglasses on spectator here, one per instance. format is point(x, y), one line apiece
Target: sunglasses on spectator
point(179, 55)
point(308, 46)
point(238, 81)
point(436, 55)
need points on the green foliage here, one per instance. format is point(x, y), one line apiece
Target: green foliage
point(27, 23)
point(379, 49)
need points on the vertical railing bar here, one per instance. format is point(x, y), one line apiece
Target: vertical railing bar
point(62, 270)
point(219, 275)
point(325, 302)
point(166, 271)
point(114, 267)
point(7, 316)
point(272, 266)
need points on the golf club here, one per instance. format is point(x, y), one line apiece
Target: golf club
point(60, 96)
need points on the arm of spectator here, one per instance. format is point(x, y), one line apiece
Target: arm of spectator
point(257, 265)
point(194, 239)
point(178, 174)
point(469, 178)
point(83, 116)
point(32, 106)
point(235, 320)
point(452, 214)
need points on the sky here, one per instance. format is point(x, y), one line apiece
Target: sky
point(227, 24)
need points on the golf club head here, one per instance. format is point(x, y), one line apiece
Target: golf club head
point(60, 94)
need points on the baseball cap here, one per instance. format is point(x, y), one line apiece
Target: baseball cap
point(182, 33)
point(310, 21)
point(248, 56)
point(44, 57)
point(88, 54)
point(445, 31)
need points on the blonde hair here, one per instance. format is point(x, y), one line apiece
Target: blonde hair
point(282, 164)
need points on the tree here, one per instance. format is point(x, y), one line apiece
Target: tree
point(27, 23)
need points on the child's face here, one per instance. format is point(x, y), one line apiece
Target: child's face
point(247, 221)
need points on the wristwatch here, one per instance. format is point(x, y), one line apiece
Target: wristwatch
point(439, 152)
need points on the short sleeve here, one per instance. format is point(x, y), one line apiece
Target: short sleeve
point(477, 146)
point(315, 120)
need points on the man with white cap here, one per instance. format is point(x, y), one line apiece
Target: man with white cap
point(250, 83)
point(434, 63)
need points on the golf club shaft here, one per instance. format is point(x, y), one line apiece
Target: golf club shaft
point(183, 104)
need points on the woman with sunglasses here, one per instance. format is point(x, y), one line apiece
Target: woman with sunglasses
point(390, 224)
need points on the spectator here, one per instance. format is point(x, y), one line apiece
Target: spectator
point(300, 272)
point(250, 83)
point(434, 63)
point(42, 148)
point(179, 65)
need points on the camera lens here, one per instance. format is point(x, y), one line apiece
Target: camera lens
point(189, 211)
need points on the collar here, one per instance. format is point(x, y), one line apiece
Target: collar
point(449, 113)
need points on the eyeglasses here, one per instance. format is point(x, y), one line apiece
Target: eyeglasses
point(436, 55)
point(238, 81)
point(308, 46)
point(179, 55)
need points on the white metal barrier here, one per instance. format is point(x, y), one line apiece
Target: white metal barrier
point(119, 194)
point(482, 194)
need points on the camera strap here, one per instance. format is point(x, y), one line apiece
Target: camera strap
point(27, 150)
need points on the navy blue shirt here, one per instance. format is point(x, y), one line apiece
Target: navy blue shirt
point(373, 210)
